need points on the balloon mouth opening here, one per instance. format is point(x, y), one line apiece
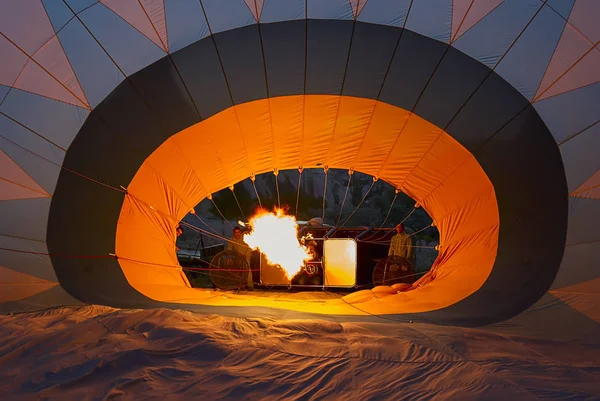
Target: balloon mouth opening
point(271, 249)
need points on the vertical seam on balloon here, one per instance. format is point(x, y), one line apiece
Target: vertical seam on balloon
point(241, 131)
point(175, 142)
point(482, 193)
point(165, 47)
point(475, 151)
point(537, 88)
point(412, 110)
point(567, 71)
point(183, 200)
point(423, 156)
point(359, 9)
point(90, 6)
point(44, 195)
point(339, 103)
point(212, 36)
point(24, 238)
point(570, 90)
point(579, 244)
point(32, 131)
point(51, 27)
point(61, 166)
point(6, 95)
point(578, 133)
point(437, 66)
point(185, 86)
point(264, 58)
point(492, 70)
point(48, 15)
point(305, 79)
point(125, 140)
point(424, 199)
point(164, 6)
point(134, 88)
point(473, 26)
point(43, 96)
point(567, 21)
point(573, 205)
point(20, 72)
point(583, 191)
point(96, 40)
point(362, 141)
point(354, 12)
point(131, 25)
point(381, 89)
point(454, 36)
point(26, 173)
point(117, 131)
point(30, 58)
point(250, 9)
point(503, 126)
point(257, 14)
point(30, 151)
point(87, 102)
point(385, 76)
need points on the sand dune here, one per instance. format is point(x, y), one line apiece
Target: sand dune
point(98, 353)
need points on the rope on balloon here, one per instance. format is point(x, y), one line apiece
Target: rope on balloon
point(276, 172)
point(300, 170)
point(326, 171)
point(390, 209)
point(112, 256)
point(203, 222)
point(238, 203)
point(350, 174)
point(386, 242)
point(211, 272)
point(253, 179)
point(421, 230)
point(202, 231)
point(61, 166)
point(219, 211)
point(388, 214)
point(361, 201)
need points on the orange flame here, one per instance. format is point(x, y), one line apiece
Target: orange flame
point(275, 234)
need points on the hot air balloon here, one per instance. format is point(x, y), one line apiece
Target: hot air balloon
point(117, 117)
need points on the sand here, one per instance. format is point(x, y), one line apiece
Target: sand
point(100, 353)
